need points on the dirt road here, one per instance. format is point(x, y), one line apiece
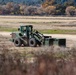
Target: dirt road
point(67, 36)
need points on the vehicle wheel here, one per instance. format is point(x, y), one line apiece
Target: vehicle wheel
point(17, 42)
point(32, 42)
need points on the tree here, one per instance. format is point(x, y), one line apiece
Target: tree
point(30, 10)
point(22, 8)
point(70, 10)
point(16, 8)
point(40, 11)
point(50, 10)
point(60, 9)
point(48, 3)
point(75, 11)
point(5, 10)
point(69, 3)
point(1, 11)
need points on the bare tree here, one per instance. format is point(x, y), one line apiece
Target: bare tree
point(1, 11)
point(40, 11)
point(30, 10)
point(70, 10)
point(50, 10)
point(16, 9)
point(22, 8)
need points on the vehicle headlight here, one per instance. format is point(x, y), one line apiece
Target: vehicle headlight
point(24, 34)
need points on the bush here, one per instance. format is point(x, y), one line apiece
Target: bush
point(70, 10)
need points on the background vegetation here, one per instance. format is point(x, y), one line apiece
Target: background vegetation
point(48, 7)
point(44, 61)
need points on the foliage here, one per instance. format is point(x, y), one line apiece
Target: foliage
point(70, 10)
point(44, 61)
point(60, 9)
point(69, 3)
point(48, 3)
point(49, 7)
point(30, 10)
point(50, 10)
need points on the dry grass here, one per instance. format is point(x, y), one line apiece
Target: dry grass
point(39, 22)
point(44, 61)
point(36, 19)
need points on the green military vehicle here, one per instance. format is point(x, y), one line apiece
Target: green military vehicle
point(26, 36)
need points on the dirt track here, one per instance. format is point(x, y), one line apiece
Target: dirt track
point(67, 36)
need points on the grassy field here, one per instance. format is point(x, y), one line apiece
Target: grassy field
point(44, 31)
point(58, 31)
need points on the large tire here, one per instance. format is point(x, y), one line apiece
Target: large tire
point(32, 42)
point(17, 42)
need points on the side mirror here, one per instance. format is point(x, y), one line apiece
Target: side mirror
point(18, 29)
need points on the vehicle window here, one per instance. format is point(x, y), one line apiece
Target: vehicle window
point(24, 28)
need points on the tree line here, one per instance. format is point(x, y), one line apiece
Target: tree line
point(49, 7)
